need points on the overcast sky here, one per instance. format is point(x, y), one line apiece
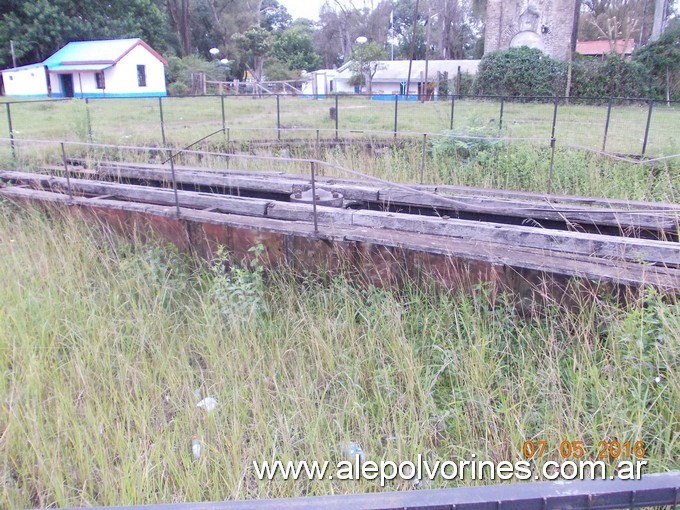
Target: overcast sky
point(303, 8)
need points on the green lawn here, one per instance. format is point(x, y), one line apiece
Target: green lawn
point(124, 121)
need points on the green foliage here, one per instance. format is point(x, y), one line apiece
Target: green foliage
point(610, 77)
point(520, 72)
point(178, 89)
point(295, 49)
point(365, 62)
point(662, 60)
point(238, 289)
point(39, 28)
point(256, 41)
point(252, 46)
point(275, 17)
point(179, 71)
point(470, 142)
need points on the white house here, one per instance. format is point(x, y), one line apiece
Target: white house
point(113, 68)
point(391, 77)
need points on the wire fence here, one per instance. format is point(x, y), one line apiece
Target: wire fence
point(631, 126)
point(637, 131)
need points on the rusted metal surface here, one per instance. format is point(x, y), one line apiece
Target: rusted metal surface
point(378, 256)
point(650, 491)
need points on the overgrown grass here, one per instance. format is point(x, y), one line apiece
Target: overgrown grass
point(448, 161)
point(106, 345)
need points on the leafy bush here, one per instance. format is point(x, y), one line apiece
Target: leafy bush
point(611, 77)
point(467, 143)
point(662, 60)
point(520, 72)
point(179, 70)
point(238, 292)
point(178, 88)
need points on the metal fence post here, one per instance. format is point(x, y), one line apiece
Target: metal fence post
point(89, 121)
point(174, 179)
point(422, 160)
point(224, 119)
point(606, 124)
point(318, 146)
point(649, 120)
point(11, 131)
point(500, 121)
point(453, 104)
point(316, 224)
point(396, 115)
point(66, 171)
point(278, 117)
point(160, 108)
point(552, 146)
point(337, 116)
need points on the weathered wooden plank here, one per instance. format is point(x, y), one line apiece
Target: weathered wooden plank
point(662, 221)
point(222, 203)
point(234, 183)
point(304, 212)
point(522, 258)
point(606, 247)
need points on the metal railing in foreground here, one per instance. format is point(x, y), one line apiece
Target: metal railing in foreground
point(650, 491)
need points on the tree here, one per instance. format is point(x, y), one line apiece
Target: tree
point(659, 19)
point(275, 17)
point(365, 62)
point(179, 12)
point(611, 19)
point(253, 45)
point(662, 59)
point(295, 48)
point(40, 27)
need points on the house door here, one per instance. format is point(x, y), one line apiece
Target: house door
point(67, 85)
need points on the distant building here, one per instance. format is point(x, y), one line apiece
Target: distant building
point(113, 68)
point(548, 25)
point(319, 83)
point(391, 78)
point(606, 47)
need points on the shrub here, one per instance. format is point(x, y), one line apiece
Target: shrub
point(662, 60)
point(610, 77)
point(467, 143)
point(178, 89)
point(520, 72)
point(179, 70)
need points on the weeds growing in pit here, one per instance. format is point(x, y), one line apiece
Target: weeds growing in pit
point(104, 344)
point(238, 289)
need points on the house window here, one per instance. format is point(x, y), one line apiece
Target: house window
point(99, 78)
point(141, 76)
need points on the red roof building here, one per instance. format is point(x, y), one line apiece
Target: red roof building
point(605, 47)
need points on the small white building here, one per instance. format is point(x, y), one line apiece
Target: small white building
point(391, 77)
point(112, 68)
point(319, 83)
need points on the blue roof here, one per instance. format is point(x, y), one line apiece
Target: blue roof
point(94, 52)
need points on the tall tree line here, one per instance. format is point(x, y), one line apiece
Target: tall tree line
point(260, 36)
